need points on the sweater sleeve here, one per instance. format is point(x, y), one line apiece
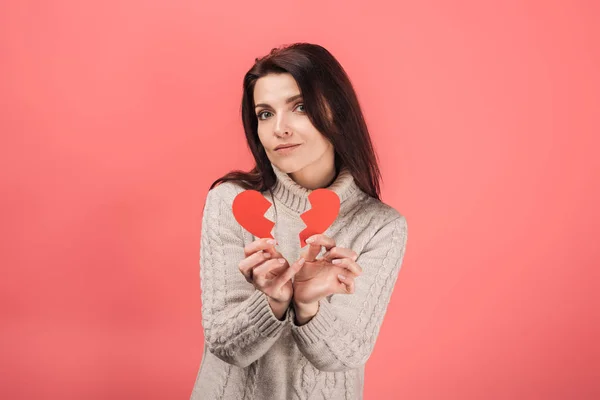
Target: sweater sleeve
point(342, 335)
point(239, 325)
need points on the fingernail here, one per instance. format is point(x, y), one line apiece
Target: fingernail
point(336, 261)
point(282, 261)
point(271, 241)
point(342, 277)
point(267, 255)
point(301, 261)
point(310, 240)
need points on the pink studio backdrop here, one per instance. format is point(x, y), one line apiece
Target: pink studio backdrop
point(116, 116)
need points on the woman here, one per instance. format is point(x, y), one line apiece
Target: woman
point(266, 335)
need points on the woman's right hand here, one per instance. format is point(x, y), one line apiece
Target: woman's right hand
point(268, 271)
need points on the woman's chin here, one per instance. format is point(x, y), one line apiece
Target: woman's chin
point(288, 166)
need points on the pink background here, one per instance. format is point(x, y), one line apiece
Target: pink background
point(117, 115)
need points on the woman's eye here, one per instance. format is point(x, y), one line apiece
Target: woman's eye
point(265, 114)
point(261, 114)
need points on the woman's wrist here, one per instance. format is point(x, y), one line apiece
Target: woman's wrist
point(278, 307)
point(305, 312)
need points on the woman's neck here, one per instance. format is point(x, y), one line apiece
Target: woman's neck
point(312, 177)
point(295, 196)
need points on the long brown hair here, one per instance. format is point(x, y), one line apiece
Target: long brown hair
point(331, 105)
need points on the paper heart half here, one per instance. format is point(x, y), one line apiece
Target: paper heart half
point(249, 208)
point(325, 209)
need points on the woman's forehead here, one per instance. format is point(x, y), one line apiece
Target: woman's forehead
point(275, 88)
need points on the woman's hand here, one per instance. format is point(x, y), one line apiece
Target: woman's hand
point(268, 271)
point(331, 274)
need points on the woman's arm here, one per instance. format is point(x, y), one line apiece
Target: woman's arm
point(239, 324)
point(342, 333)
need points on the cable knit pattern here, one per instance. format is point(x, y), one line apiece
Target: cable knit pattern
point(248, 352)
point(250, 381)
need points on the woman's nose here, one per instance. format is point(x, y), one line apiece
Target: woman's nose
point(281, 127)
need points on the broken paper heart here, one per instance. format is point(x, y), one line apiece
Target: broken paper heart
point(249, 208)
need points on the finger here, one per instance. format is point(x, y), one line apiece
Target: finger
point(311, 252)
point(348, 264)
point(247, 264)
point(287, 275)
point(259, 278)
point(347, 283)
point(259, 244)
point(315, 243)
point(322, 240)
point(340, 252)
point(268, 266)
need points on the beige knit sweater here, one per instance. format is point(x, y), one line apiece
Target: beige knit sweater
point(248, 352)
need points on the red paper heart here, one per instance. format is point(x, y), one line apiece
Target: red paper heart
point(249, 208)
point(325, 209)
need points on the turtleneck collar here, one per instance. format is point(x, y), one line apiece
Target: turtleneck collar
point(295, 196)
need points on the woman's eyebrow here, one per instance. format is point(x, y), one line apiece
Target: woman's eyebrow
point(297, 96)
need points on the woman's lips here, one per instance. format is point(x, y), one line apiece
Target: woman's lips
point(287, 150)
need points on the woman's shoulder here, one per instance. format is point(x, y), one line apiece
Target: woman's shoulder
point(226, 191)
point(379, 212)
point(375, 206)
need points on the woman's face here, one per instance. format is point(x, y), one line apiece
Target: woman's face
point(282, 120)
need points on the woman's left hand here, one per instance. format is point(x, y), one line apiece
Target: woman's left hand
point(331, 274)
